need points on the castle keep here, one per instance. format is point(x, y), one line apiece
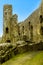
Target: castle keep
point(10, 25)
point(30, 29)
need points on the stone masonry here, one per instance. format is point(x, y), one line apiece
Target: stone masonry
point(31, 29)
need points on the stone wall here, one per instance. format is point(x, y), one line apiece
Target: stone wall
point(34, 20)
point(8, 50)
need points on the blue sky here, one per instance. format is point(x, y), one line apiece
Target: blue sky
point(23, 8)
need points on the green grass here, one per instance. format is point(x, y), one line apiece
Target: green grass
point(29, 58)
point(36, 60)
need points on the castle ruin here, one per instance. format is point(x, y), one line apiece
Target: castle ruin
point(30, 29)
point(21, 37)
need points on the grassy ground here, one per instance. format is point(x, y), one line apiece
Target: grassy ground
point(29, 58)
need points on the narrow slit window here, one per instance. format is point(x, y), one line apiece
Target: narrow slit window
point(23, 29)
point(41, 30)
point(29, 25)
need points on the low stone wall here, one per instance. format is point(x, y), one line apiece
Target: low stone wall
point(8, 50)
point(22, 46)
point(35, 47)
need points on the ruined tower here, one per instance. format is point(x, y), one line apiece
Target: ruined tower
point(41, 20)
point(7, 14)
point(14, 27)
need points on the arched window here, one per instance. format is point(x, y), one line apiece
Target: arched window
point(5, 13)
point(29, 22)
point(6, 29)
point(41, 18)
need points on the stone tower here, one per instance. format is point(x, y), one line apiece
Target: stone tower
point(7, 14)
point(14, 27)
point(41, 20)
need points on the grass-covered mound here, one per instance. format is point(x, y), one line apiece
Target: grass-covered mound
point(30, 58)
